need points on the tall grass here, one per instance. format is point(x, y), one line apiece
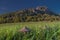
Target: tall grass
point(39, 31)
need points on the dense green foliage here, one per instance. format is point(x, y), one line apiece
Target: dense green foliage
point(29, 15)
point(39, 31)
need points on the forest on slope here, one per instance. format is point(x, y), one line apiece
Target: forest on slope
point(40, 13)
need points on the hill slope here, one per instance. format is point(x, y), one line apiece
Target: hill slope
point(40, 13)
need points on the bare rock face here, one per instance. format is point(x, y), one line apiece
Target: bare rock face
point(24, 29)
point(31, 9)
point(41, 8)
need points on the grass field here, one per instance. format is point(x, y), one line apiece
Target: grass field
point(39, 31)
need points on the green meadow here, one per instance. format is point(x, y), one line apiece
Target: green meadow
point(39, 31)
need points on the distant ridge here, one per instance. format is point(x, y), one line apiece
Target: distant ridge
point(40, 13)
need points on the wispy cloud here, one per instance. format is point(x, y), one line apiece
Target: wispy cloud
point(3, 8)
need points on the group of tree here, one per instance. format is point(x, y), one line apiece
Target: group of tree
point(30, 15)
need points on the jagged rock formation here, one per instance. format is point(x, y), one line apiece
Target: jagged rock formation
point(40, 13)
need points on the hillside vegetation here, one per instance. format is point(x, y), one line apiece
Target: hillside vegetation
point(40, 13)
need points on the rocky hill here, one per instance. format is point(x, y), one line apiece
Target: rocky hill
point(40, 13)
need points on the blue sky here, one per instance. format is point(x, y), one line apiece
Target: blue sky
point(13, 5)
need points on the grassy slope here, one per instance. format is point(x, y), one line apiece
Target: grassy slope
point(11, 28)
